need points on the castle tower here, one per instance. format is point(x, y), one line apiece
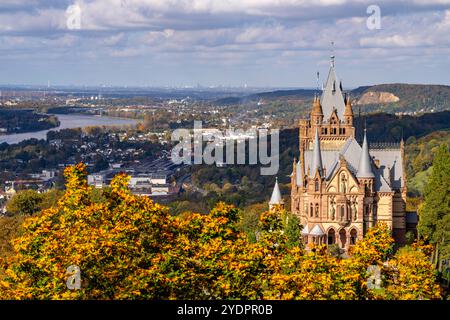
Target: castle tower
point(339, 187)
point(331, 115)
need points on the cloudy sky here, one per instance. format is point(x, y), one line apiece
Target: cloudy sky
point(278, 43)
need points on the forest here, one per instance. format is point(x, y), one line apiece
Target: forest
point(18, 121)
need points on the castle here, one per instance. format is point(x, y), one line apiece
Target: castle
point(340, 188)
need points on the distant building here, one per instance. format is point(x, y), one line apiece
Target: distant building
point(341, 188)
point(97, 180)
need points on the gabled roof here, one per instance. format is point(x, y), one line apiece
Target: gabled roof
point(317, 231)
point(351, 151)
point(305, 230)
point(391, 165)
point(332, 97)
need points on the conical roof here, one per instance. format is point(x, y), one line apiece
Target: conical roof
point(332, 95)
point(316, 231)
point(365, 167)
point(316, 161)
point(305, 229)
point(348, 107)
point(276, 195)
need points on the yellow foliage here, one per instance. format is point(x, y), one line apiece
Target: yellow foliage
point(128, 247)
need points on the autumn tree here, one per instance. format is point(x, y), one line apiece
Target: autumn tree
point(116, 244)
point(128, 247)
point(410, 276)
point(375, 247)
point(25, 202)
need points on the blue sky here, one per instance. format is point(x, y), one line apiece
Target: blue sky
point(277, 43)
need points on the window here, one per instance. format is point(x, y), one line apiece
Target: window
point(342, 212)
point(316, 185)
point(317, 210)
point(311, 210)
point(331, 236)
point(353, 237)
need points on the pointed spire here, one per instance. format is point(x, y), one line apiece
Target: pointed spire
point(316, 163)
point(348, 106)
point(317, 108)
point(365, 168)
point(276, 195)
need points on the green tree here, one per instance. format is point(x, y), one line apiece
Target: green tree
point(292, 229)
point(25, 202)
point(434, 221)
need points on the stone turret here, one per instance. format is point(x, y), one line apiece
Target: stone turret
point(316, 112)
point(348, 113)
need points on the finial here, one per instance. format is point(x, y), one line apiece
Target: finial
point(332, 54)
point(318, 79)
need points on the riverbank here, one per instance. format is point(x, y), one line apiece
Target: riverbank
point(69, 121)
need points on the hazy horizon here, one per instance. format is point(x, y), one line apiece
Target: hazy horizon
point(237, 43)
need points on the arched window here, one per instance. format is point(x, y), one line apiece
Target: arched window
point(317, 210)
point(306, 183)
point(316, 185)
point(353, 237)
point(342, 213)
point(311, 210)
point(331, 236)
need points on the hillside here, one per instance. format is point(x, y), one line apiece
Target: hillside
point(389, 98)
point(399, 97)
point(419, 157)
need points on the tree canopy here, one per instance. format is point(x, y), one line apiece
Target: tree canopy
point(126, 246)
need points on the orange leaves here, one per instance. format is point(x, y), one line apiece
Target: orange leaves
point(128, 247)
point(375, 246)
point(411, 276)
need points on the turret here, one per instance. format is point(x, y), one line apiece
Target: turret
point(316, 112)
point(365, 174)
point(348, 113)
point(276, 198)
point(365, 167)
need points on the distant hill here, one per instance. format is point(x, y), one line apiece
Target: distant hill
point(399, 97)
point(300, 94)
point(391, 98)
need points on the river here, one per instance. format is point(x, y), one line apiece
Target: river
point(68, 121)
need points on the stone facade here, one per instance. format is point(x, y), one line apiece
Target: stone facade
point(339, 187)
